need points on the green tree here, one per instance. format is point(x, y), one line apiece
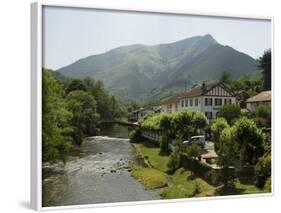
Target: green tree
point(107, 106)
point(249, 139)
point(83, 107)
point(227, 156)
point(262, 115)
point(166, 125)
point(265, 65)
point(230, 112)
point(182, 124)
point(56, 140)
point(194, 151)
point(216, 129)
point(76, 84)
point(225, 77)
point(199, 121)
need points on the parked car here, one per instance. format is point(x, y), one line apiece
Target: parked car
point(198, 140)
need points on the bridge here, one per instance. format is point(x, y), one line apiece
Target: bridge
point(120, 122)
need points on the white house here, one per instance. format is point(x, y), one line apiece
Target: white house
point(204, 98)
point(261, 98)
point(140, 113)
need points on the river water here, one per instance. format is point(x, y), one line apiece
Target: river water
point(98, 173)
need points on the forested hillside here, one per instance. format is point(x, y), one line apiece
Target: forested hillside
point(72, 109)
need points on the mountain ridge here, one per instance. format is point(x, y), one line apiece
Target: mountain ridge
point(164, 68)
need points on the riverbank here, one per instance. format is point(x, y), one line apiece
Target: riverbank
point(182, 183)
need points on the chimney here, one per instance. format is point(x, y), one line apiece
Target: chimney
point(203, 87)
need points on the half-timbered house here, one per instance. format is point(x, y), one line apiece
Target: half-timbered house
point(206, 98)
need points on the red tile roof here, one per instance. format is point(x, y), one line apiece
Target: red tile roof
point(196, 91)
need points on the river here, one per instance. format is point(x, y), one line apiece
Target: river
point(98, 173)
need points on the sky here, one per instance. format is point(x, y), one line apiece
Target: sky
point(70, 34)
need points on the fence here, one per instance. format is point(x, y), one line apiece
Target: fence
point(152, 135)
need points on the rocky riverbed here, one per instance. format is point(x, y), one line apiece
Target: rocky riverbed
point(99, 174)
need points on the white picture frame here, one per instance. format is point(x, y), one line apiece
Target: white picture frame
point(36, 97)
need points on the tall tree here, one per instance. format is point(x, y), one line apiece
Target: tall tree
point(265, 65)
point(249, 139)
point(56, 131)
point(225, 77)
point(83, 107)
point(76, 84)
point(216, 128)
point(227, 156)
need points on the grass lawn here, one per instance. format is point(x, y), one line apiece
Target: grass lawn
point(247, 188)
point(184, 185)
point(239, 189)
point(158, 162)
point(149, 177)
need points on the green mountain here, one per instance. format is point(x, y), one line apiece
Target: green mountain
point(142, 72)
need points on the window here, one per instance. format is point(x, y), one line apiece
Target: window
point(186, 102)
point(169, 108)
point(227, 101)
point(182, 103)
point(191, 102)
point(218, 101)
point(196, 102)
point(209, 115)
point(176, 107)
point(208, 102)
point(217, 114)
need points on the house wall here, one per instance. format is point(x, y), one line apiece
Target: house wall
point(251, 106)
point(198, 103)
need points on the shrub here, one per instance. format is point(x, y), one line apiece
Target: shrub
point(263, 170)
point(267, 186)
point(197, 188)
point(193, 151)
point(174, 160)
point(164, 149)
point(135, 135)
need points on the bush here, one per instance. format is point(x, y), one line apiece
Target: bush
point(263, 170)
point(164, 143)
point(202, 170)
point(174, 160)
point(135, 135)
point(267, 186)
point(193, 151)
point(197, 189)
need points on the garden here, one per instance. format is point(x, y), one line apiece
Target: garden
point(243, 154)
